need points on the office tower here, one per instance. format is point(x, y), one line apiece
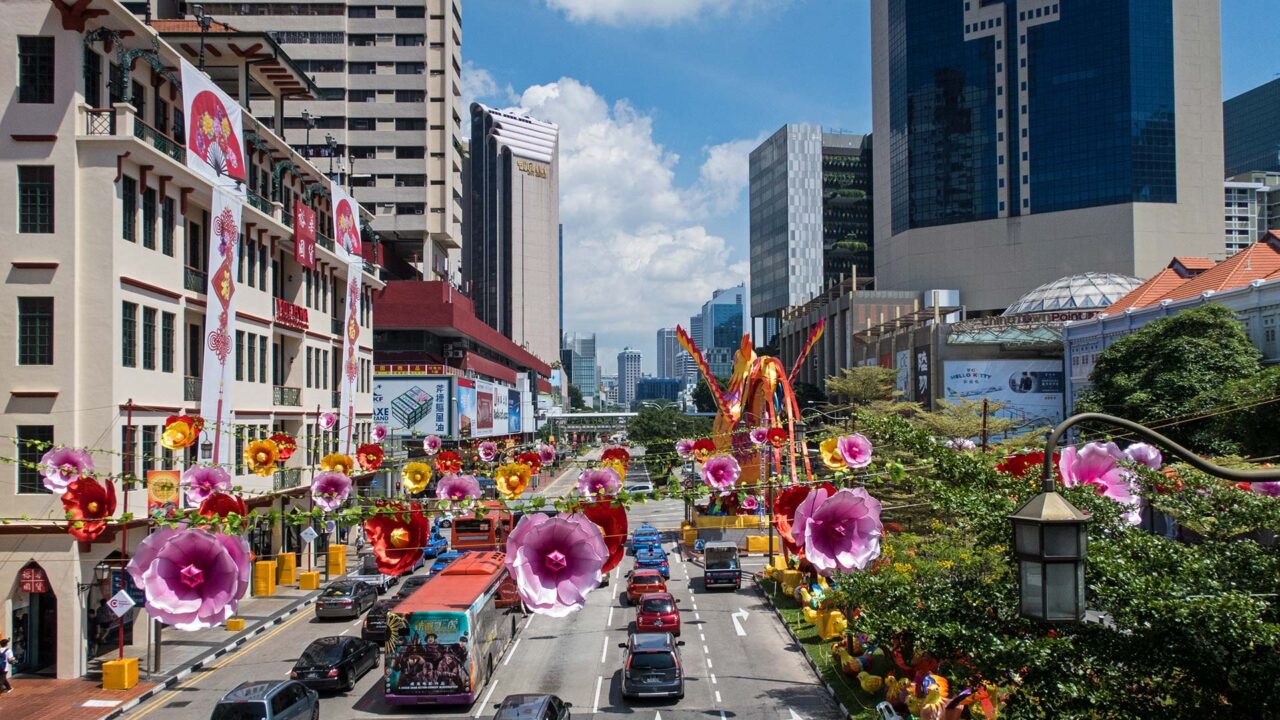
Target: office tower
point(1251, 130)
point(658, 388)
point(809, 196)
point(512, 256)
point(628, 375)
point(1252, 206)
point(689, 370)
point(723, 318)
point(1027, 140)
point(581, 365)
point(668, 353)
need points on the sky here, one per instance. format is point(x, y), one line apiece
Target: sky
point(660, 101)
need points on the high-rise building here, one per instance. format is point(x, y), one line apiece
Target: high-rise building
point(689, 370)
point(668, 353)
point(512, 257)
point(658, 388)
point(809, 196)
point(388, 119)
point(628, 375)
point(1252, 205)
point(1026, 140)
point(581, 365)
point(1251, 130)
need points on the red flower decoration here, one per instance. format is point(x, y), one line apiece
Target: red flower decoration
point(1019, 464)
point(777, 437)
point(784, 512)
point(369, 456)
point(223, 504)
point(1176, 482)
point(448, 462)
point(88, 505)
point(619, 453)
point(286, 444)
point(398, 533)
point(613, 523)
point(532, 459)
point(703, 449)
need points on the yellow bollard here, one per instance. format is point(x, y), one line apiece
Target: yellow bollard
point(287, 569)
point(120, 674)
point(337, 559)
point(235, 624)
point(264, 578)
point(779, 563)
point(309, 580)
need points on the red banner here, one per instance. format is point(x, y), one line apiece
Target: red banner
point(33, 580)
point(304, 234)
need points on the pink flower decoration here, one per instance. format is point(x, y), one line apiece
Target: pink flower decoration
point(750, 503)
point(431, 444)
point(330, 489)
point(192, 579)
point(759, 436)
point(1270, 489)
point(328, 421)
point(61, 466)
point(487, 450)
point(1144, 454)
point(721, 472)
point(840, 531)
point(556, 561)
point(203, 481)
point(855, 449)
point(379, 433)
point(458, 487)
point(546, 454)
point(684, 448)
point(1097, 464)
point(601, 481)
point(961, 444)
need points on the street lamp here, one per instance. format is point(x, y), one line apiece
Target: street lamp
point(101, 572)
point(309, 121)
point(205, 22)
point(333, 148)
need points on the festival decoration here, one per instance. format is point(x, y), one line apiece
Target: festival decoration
point(1270, 489)
point(458, 487)
point(1145, 454)
point(286, 445)
point(369, 456)
point(181, 431)
point(556, 561)
point(721, 472)
point(337, 462)
point(431, 444)
point(328, 421)
point(398, 533)
point(192, 579)
point(379, 433)
point(532, 459)
point(759, 436)
point(749, 504)
point(776, 436)
point(1098, 464)
point(223, 253)
point(1020, 463)
point(201, 481)
point(487, 451)
point(260, 457)
point(855, 449)
point(612, 521)
point(414, 477)
point(512, 480)
point(830, 451)
point(215, 136)
point(703, 449)
point(784, 513)
point(599, 482)
point(617, 466)
point(546, 454)
point(88, 504)
point(330, 489)
point(684, 448)
point(617, 453)
point(960, 444)
point(221, 504)
point(61, 466)
point(448, 462)
point(840, 531)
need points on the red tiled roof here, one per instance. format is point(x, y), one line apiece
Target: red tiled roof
point(1255, 262)
point(189, 26)
point(1193, 263)
point(1148, 292)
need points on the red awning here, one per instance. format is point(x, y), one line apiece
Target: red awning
point(489, 368)
point(544, 386)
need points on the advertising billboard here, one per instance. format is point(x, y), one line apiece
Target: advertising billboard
point(514, 411)
point(484, 409)
point(923, 367)
point(413, 406)
point(1031, 390)
point(466, 408)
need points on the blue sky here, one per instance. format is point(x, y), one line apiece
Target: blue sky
point(659, 102)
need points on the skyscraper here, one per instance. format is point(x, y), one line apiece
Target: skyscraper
point(722, 321)
point(628, 374)
point(580, 362)
point(1251, 130)
point(512, 256)
point(668, 353)
point(809, 194)
point(1026, 140)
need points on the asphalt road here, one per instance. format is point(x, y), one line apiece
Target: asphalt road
point(747, 669)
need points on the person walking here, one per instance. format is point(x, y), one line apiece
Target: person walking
point(6, 665)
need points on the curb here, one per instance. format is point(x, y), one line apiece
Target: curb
point(185, 671)
point(794, 638)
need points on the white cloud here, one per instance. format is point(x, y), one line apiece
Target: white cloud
point(647, 12)
point(723, 177)
point(478, 84)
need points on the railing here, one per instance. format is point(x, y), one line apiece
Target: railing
point(287, 478)
point(371, 268)
point(162, 142)
point(325, 241)
point(190, 389)
point(285, 395)
point(100, 121)
point(195, 280)
point(286, 217)
point(259, 202)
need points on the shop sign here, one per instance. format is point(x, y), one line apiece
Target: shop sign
point(33, 580)
point(290, 315)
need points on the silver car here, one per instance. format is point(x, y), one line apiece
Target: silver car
point(345, 599)
point(268, 700)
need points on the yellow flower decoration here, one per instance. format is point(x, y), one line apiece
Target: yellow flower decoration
point(831, 457)
point(178, 435)
point(337, 462)
point(415, 477)
point(226, 128)
point(512, 480)
point(618, 465)
point(261, 456)
point(206, 124)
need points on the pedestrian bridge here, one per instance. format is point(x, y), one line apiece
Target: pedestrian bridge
point(589, 423)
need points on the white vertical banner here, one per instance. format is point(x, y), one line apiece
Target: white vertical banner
point(220, 326)
point(346, 224)
point(350, 365)
point(215, 135)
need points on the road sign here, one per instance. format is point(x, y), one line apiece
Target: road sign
point(120, 603)
point(309, 535)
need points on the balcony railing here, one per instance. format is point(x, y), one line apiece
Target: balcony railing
point(190, 389)
point(286, 217)
point(285, 395)
point(324, 241)
point(100, 121)
point(162, 142)
point(371, 268)
point(259, 202)
point(195, 280)
point(287, 478)
point(335, 324)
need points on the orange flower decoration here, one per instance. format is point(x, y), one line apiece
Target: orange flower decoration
point(260, 456)
point(777, 437)
point(286, 444)
point(532, 459)
point(369, 456)
point(222, 504)
point(617, 453)
point(448, 462)
point(181, 431)
point(703, 449)
point(512, 480)
point(88, 504)
point(337, 462)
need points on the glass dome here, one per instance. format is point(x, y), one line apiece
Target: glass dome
point(1086, 291)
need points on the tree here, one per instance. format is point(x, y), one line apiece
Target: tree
point(863, 385)
point(808, 394)
point(575, 399)
point(658, 426)
point(963, 419)
point(1249, 427)
point(703, 400)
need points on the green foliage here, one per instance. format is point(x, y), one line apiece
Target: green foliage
point(808, 394)
point(703, 400)
point(963, 419)
point(575, 399)
point(857, 386)
point(1249, 430)
point(657, 427)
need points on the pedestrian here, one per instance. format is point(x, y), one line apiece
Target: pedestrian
point(104, 618)
point(6, 664)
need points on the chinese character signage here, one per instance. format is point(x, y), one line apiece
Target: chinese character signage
point(32, 579)
point(924, 365)
point(304, 234)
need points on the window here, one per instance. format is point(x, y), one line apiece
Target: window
point(410, 96)
point(308, 367)
point(411, 123)
point(361, 124)
point(410, 152)
point(411, 40)
point(411, 180)
point(35, 69)
point(149, 457)
point(35, 331)
point(166, 226)
point(403, 11)
point(262, 359)
point(262, 257)
point(362, 95)
point(253, 351)
point(361, 68)
point(411, 208)
point(166, 341)
point(35, 198)
point(410, 68)
point(149, 219)
point(129, 334)
point(239, 355)
point(362, 11)
point(253, 261)
point(129, 220)
point(148, 338)
point(32, 442)
point(92, 78)
point(355, 40)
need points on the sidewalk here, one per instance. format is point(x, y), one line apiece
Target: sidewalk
point(82, 699)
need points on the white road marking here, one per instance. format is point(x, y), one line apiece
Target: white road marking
point(722, 717)
point(485, 703)
point(512, 651)
point(713, 679)
point(697, 616)
point(794, 716)
point(609, 623)
point(702, 637)
point(344, 632)
point(528, 622)
point(705, 651)
point(737, 626)
point(604, 649)
point(718, 700)
point(709, 665)
point(595, 707)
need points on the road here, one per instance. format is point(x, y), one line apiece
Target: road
point(757, 674)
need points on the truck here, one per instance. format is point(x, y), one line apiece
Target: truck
point(720, 565)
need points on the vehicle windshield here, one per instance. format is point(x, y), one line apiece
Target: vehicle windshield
point(321, 654)
point(240, 711)
point(472, 526)
point(658, 606)
point(725, 564)
point(653, 661)
point(338, 591)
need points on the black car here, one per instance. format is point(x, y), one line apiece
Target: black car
point(375, 623)
point(532, 707)
point(345, 599)
point(652, 667)
point(411, 583)
point(335, 663)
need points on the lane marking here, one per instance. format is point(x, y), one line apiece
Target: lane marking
point(697, 616)
point(705, 651)
point(529, 622)
point(485, 703)
point(713, 679)
point(344, 632)
point(512, 652)
point(709, 665)
point(609, 622)
point(718, 701)
point(595, 706)
point(737, 626)
point(722, 717)
point(702, 637)
point(604, 649)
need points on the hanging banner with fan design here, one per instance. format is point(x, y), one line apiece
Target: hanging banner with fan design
point(215, 135)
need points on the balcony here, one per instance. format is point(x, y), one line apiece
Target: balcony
point(337, 400)
point(335, 325)
point(286, 396)
point(191, 389)
point(290, 315)
point(159, 140)
point(100, 121)
point(195, 280)
point(287, 478)
point(325, 242)
point(260, 203)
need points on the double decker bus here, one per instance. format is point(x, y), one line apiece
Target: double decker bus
point(486, 529)
point(445, 640)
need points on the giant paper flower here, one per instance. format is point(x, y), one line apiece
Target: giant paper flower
point(512, 480)
point(830, 451)
point(88, 504)
point(749, 504)
point(1097, 464)
point(286, 444)
point(684, 448)
point(328, 421)
point(260, 457)
point(415, 477)
point(599, 482)
point(784, 513)
point(855, 449)
point(1144, 454)
point(703, 449)
point(777, 437)
point(556, 561)
point(448, 462)
point(1020, 463)
point(612, 521)
point(398, 533)
point(532, 459)
point(337, 462)
point(181, 431)
point(379, 433)
point(617, 465)
point(759, 436)
point(546, 454)
point(962, 444)
point(1270, 489)
point(201, 481)
point(721, 473)
point(840, 531)
point(62, 465)
point(458, 487)
point(617, 453)
point(220, 505)
point(431, 444)
point(330, 489)
point(487, 451)
point(369, 456)
point(192, 579)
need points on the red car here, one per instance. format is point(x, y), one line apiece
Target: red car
point(657, 612)
point(640, 582)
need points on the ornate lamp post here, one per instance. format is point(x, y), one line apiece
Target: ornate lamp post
point(205, 21)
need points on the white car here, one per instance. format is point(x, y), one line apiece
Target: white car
point(642, 488)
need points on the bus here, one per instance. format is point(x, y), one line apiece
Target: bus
point(486, 529)
point(446, 638)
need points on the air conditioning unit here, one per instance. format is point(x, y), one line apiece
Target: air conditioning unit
point(455, 354)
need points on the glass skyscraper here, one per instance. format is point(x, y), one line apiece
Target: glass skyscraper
point(1251, 130)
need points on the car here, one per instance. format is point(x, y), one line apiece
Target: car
point(652, 667)
point(335, 663)
point(639, 488)
point(657, 612)
point(655, 559)
point(268, 700)
point(369, 573)
point(410, 584)
point(527, 706)
point(436, 544)
point(374, 627)
point(345, 599)
point(443, 560)
point(643, 581)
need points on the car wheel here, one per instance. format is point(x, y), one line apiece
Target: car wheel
point(315, 712)
point(350, 684)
